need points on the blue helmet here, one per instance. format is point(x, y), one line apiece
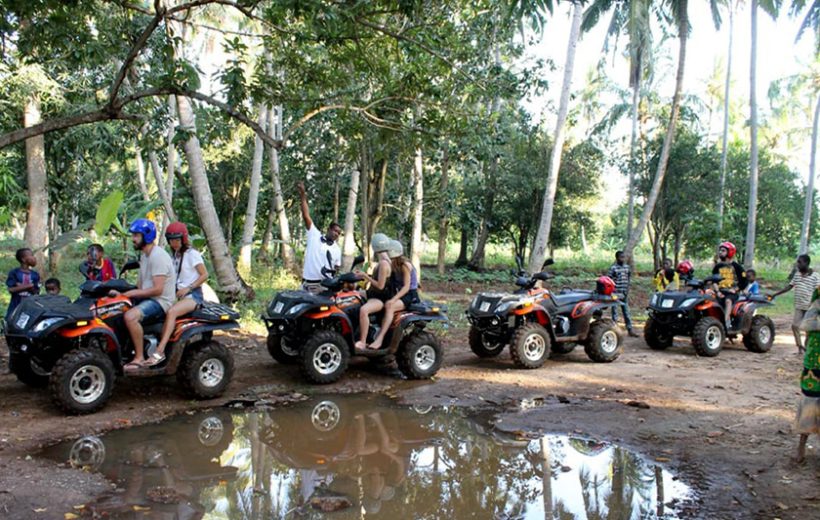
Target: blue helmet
point(147, 228)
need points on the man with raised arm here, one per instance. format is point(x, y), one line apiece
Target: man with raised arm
point(317, 248)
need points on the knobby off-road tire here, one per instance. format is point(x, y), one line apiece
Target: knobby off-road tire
point(604, 343)
point(482, 346)
point(324, 357)
point(761, 336)
point(281, 350)
point(708, 336)
point(655, 337)
point(530, 346)
point(206, 369)
point(21, 366)
point(82, 381)
point(419, 356)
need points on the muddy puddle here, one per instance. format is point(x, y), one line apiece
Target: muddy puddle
point(362, 457)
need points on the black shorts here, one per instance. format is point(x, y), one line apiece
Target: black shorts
point(410, 298)
point(732, 297)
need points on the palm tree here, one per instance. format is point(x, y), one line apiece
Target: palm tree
point(680, 15)
point(540, 247)
point(724, 154)
point(631, 16)
point(772, 7)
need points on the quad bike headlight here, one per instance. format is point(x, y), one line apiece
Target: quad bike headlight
point(689, 302)
point(296, 308)
point(46, 323)
point(654, 299)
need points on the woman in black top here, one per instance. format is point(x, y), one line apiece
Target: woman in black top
point(380, 287)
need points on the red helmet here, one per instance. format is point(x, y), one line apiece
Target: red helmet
point(605, 286)
point(177, 230)
point(730, 248)
point(685, 268)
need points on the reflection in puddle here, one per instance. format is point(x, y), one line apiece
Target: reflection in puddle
point(363, 457)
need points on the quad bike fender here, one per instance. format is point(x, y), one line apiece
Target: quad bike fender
point(536, 313)
point(405, 321)
point(187, 330)
point(92, 327)
point(746, 311)
point(332, 314)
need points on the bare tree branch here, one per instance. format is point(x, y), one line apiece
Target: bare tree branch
point(62, 123)
point(132, 55)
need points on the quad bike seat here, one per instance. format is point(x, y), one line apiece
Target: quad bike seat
point(214, 312)
point(572, 297)
point(422, 307)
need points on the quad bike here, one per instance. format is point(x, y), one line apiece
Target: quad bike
point(166, 470)
point(697, 313)
point(77, 349)
point(533, 320)
point(318, 332)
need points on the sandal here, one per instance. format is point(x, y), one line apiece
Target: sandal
point(132, 366)
point(155, 359)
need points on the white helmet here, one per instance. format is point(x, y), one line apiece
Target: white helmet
point(396, 249)
point(380, 242)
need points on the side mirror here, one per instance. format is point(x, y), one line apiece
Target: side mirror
point(129, 266)
point(359, 260)
point(519, 262)
point(541, 276)
point(548, 262)
point(84, 269)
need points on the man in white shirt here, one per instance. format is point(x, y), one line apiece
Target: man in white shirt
point(317, 249)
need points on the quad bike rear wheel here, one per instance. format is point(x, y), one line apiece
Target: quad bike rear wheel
point(761, 336)
point(484, 346)
point(82, 381)
point(656, 338)
point(708, 336)
point(206, 369)
point(280, 348)
point(603, 345)
point(27, 371)
point(419, 356)
point(530, 345)
point(324, 357)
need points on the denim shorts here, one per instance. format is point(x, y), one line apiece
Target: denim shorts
point(150, 309)
point(197, 296)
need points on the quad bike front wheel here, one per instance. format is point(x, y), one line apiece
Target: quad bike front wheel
point(483, 346)
point(419, 356)
point(28, 371)
point(82, 381)
point(708, 336)
point(761, 336)
point(656, 338)
point(603, 345)
point(206, 369)
point(530, 346)
point(281, 349)
point(324, 357)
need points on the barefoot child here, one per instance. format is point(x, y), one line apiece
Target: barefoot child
point(22, 281)
point(808, 411)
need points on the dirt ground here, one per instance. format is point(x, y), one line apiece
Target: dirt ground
point(722, 424)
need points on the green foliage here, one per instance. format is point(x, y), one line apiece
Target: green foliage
point(107, 212)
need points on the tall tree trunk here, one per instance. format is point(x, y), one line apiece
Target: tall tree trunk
point(267, 238)
point(141, 175)
point(377, 200)
point(633, 157)
point(248, 230)
point(542, 237)
point(229, 280)
point(153, 161)
point(418, 210)
point(170, 167)
point(807, 210)
point(349, 245)
point(724, 154)
point(444, 224)
point(365, 174)
point(751, 224)
point(336, 199)
point(275, 131)
point(660, 173)
point(462, 247)
point(36, 234)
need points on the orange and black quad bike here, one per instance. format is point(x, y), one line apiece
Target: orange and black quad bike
point(696, 312)
point(534, 321)
point(77, 349)
point(318, 331)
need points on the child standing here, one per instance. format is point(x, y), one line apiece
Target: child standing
point(621, 274)
point(22, 281)
point(751, 278)
point(53, 286)
point(667, 278)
